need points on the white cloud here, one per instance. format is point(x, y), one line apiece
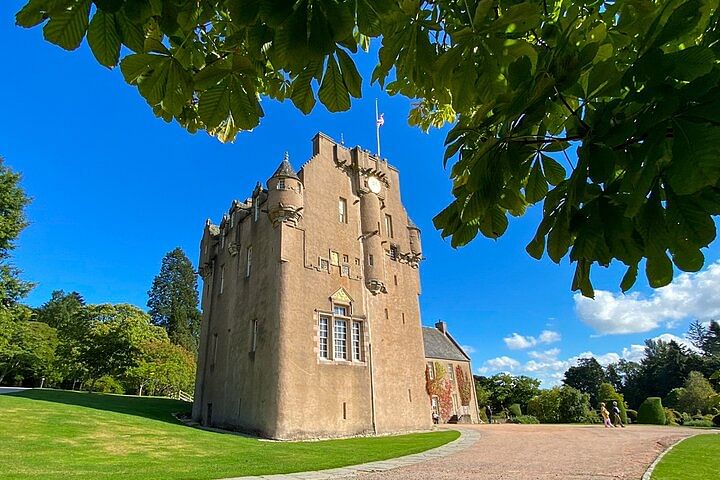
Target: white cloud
point(521, 342)
point(690, 295)
point(634, 354)
point(546, 355)
point(468, 349)
point(499, 364)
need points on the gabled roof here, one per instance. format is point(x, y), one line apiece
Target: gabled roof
point(438, 345)
point(285, 169)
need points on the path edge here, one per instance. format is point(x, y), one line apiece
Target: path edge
point(467, 438)
point(648, 473)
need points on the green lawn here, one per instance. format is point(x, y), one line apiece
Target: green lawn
point(51, 434)
point(697, 458)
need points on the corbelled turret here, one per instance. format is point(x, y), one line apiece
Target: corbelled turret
point(285, 195)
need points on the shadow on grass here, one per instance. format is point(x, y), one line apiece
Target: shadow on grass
point(154, 408)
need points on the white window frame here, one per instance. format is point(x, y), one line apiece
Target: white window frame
point(248, 261)
point(342, 210)
point(324, 336)
point(222, 278)
point(356, 340)
point(431, 370)
point(253, 346)
point(256, 209)
point(340, 339)
point(281, 184)
point(451, 372)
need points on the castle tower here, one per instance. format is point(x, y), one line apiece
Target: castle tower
point(311, 323)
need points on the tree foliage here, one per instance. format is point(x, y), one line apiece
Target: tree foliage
point(25, 346)
point(173, 300)
point(12, 221)
point(631, 87)
point(587, 376)
point(573, 405)
point(696, 396)
point(504, 390)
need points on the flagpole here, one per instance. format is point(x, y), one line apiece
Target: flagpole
point(377, 127)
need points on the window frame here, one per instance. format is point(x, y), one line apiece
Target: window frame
point(325, 337)
point(248, 261)
point(339, 338)
point(356, 341)
point(389, 226)
point(342, 210)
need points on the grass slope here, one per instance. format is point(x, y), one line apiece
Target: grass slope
point(50, 434)
point(697, 458)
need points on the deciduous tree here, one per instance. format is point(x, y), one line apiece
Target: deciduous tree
point(604, 111)
point(586, 376)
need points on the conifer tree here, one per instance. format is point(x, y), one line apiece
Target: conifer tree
point(173, 300)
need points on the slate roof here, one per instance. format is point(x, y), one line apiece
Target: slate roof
point(285, 169)
point(438, 345)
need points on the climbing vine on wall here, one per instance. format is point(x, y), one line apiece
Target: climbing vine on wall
point(464, 386)
point(441, 387)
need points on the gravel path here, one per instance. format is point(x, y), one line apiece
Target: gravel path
point(565, 452)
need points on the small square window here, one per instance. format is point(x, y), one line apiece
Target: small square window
point(281, 184)
point(346, 259)
point(345, 270)
point(357, 261)
point(324, 265)
point(340, 310)
point(393, 252)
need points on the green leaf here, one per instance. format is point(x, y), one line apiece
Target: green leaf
point(463, 235)
point(629, 278)
point(688, 260)
point(302, 94)
point(696, 149)
point(137, 65)
point(536, 247)
point(554, 172)
point(131, 34)
point(214, 105)
point(178, 89)
point(659, 270)
point(602, 162)
point(211, 75)
point(104, 39)
point(581, 280)
point(682, 20)
point(691, 63)
point(559, 240)
point(68, 28)
point(494, 223)
point(109, 6)
point(33, 13)
point(350, 75)
point(333, 93)
point(536, 187)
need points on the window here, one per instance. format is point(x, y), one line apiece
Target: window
point(393, 253)
point(395, 279)
point(410, 395)
point(356, 352)
point(403, 318)
point(248, 261)
point(342, 210)
point(340, 339)
point(222, 278)
point(323, 334)
point(340, 310)
point(346, 259)
point(256, 208)
point(370, 260)
point(232, 220)
point(214, 351)
point(431, 370)
point(345, 270)
point(281, 184)
point(324, 265)
point(435, 404)
point(388, 226)
point(451, 372)
point(254, 335)
point(334, 258)
point(222, 240)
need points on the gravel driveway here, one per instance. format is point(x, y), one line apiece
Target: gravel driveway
point(547, 452)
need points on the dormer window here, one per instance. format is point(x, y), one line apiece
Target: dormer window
point(281, 184)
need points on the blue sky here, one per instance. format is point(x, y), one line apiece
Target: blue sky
point(115, 188)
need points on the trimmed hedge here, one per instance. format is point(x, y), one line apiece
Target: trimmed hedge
point(526, 419)
point(651, 412)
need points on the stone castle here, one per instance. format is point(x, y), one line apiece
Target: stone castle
point(311, 323)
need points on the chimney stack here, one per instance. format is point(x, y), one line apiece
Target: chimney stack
point(442, 326)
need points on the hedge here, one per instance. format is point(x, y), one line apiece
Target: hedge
point(651, 412)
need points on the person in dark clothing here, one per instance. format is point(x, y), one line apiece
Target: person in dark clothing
point(616, 420)
point(488, 409)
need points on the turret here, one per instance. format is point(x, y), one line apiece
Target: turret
point(285, 195)
point(414, 233)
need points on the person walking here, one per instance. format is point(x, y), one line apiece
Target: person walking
point(605, 415)
point(488, 409)
point(616, 420)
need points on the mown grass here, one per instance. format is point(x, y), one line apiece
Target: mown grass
point(50, 434)
point(696, 458)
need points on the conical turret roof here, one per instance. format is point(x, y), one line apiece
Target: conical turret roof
point(285, 169)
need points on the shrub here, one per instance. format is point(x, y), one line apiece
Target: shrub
point(685, 417)
point(632, 415)
point(107, 384)
point(514, 410)
point(651, 412)
point(698, 423)
point(671, 416)
point(482, 414)
point(672, 399)
point(574, 405)
point(716, 420)
point(526, 419)
point(546, 406)
point(696, 395)
point(593, 417)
